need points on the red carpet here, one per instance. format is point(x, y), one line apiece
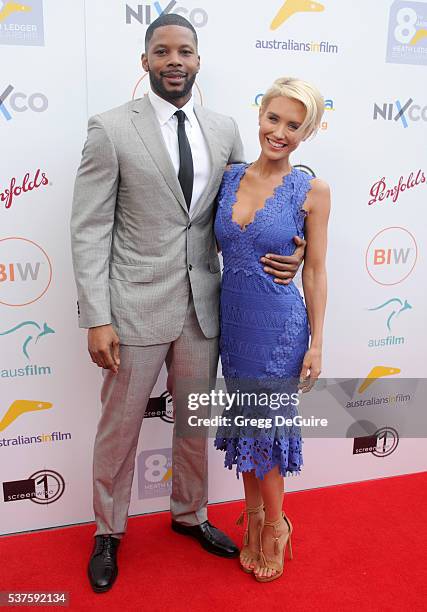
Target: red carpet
point(358, 547)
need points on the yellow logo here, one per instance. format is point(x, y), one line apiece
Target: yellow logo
point(13, 7)
point(168, 475)
point(418, 36)
point(20, 407)
point(291, 7)
point(375, 373)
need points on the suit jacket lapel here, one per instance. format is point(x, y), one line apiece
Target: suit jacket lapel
point(146, 123)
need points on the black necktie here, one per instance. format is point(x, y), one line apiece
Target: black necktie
point(186, 170)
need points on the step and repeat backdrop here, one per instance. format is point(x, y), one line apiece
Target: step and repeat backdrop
point(62, 61)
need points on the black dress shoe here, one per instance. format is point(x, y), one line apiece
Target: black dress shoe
point(102, 569)
point(211, 538)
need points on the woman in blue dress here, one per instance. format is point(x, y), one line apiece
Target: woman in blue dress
point(269, 337)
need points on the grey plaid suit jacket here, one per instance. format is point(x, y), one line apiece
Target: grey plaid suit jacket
point(135, 251)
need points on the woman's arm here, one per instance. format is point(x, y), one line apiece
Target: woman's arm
point(318, 205)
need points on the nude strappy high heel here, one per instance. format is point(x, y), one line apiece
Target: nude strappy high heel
point(281, 540)
point(246, 550)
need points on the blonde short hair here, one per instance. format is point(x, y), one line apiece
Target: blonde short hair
point(307, 94)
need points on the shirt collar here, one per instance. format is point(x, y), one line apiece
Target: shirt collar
point(165, 110)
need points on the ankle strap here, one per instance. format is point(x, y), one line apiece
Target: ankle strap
point(277, 523)
point(253, 510)
point(248, 511)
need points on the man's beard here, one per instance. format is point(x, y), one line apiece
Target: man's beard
point(158, 88)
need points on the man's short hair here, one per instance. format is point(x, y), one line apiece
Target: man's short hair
point(170, 19)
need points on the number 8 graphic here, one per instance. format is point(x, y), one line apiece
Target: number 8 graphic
point(405, 30)
point(156, 468)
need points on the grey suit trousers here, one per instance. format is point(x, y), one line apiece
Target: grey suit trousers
point(124, 399)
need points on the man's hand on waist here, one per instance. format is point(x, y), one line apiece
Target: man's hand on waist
point(284, 267)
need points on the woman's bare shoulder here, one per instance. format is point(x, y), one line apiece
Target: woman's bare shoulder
point(319, 187)
point(319, 196)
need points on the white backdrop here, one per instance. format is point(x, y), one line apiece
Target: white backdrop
point(62, 61)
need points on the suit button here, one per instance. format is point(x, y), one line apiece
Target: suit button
point(189, 226)
point(190, 267)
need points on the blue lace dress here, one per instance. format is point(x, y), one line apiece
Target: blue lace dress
point(264, 326)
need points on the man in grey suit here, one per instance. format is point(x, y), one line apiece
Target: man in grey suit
point(148, 277)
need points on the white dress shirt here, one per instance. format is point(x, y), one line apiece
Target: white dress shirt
point(165, 112)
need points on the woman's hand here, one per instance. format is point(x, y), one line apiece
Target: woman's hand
point(311, 369)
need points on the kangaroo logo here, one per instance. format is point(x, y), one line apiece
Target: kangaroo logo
point(8, 8)
point(43, 331)
point(291, 7)
point(20, 407)
point(398, 307)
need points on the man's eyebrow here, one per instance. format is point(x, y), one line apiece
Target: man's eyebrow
point(183, 46)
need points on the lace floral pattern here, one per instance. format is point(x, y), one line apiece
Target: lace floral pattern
point(264, 326)
point(293, 341)
point(261, 456)
point(287, 198)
